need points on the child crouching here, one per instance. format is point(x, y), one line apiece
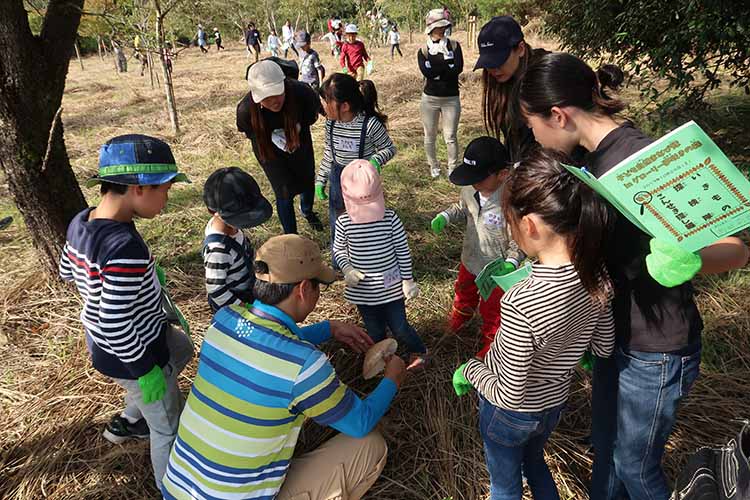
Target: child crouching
point(373, 253)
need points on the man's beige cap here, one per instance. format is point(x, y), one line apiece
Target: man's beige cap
point(292, 258)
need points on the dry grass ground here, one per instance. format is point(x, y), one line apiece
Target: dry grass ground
point(53, 405)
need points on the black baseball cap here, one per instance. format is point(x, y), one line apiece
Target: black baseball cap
point(496, 39)
point(482, 157)
point(235, 196)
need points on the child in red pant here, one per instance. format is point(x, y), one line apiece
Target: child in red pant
point(482, 173)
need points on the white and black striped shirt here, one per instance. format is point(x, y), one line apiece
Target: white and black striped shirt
point(379, 250)
point(548, 322)
point(122, 314)
point(346, 136)
point(228, 277)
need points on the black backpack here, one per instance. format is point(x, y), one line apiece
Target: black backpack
point(290, 68)
point(717, 473)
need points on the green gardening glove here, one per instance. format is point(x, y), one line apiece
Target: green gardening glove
point(670, 265)
point(508, 267)
point(153, 385)
point(438, 223)
point(460, 384)
point(587, 361)
point(320, 192)
point(375, 164)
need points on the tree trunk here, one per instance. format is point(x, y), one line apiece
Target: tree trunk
point(168, 87)
point(99, 47)
point(78, 54)
point(32, 150)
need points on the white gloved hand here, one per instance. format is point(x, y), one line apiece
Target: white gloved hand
point(352, 277)
point(410, 288)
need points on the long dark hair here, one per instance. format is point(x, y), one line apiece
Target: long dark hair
point(541, 185)
point(263, 133)
point(361, 96)
point(500, 113)
point(560, 79)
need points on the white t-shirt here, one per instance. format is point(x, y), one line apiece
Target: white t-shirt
point(395, 37)
point(287, 33)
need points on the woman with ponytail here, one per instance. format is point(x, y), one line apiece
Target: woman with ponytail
point(549, 320)
point(656, 360)
point(503, 57)
point(355, 129)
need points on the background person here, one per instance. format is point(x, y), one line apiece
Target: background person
point(440, 61)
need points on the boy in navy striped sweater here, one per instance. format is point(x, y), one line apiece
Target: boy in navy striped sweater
point(127, 332)
point(234, 200)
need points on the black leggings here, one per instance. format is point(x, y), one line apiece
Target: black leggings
point(396, 46)
point(291, 46)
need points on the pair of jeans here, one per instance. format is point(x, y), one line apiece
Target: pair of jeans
point(432, 108)
point(514, 443)
point(634, 407)
point(393, 315)
point(163, 416)
point(285, 210)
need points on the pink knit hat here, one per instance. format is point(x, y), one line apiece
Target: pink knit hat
point(363, 192)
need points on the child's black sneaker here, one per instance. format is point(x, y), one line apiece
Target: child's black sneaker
point(119, 430)
point(314, 221)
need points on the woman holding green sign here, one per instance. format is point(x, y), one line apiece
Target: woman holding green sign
point(656, 360)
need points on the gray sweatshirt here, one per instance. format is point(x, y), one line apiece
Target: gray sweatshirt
point(486, 238)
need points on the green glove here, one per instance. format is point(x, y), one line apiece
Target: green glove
point(320, 192)
point(460, 384)
point(670, 265)
point(438, 223)
point(153, 385)
point(508, 267)
point(375, 164)
point(587, 361)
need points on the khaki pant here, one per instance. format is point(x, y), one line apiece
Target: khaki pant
point(343, 468)
point(360, 74)
point(163, 416)
point(434, 109)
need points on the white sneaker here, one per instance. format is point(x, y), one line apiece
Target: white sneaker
point(435, 172)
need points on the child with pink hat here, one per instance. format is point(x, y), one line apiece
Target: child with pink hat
point(371, 248)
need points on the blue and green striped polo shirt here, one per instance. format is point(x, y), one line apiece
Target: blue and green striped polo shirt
point(259, 376)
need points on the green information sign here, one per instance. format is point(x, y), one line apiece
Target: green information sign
point(681, 188)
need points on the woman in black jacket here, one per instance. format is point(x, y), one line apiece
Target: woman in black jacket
point(276, 116)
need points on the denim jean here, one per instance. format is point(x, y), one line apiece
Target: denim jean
point(392, 315)
point(514, 444)
point(634, 407)
point(285, 210)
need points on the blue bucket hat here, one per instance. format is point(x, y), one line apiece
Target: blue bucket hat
point(136, 160)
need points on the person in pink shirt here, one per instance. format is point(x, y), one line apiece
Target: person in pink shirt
point(353, 54)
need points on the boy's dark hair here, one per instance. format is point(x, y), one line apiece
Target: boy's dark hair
point(111, 187)
point(361, 96)
point(541, 185)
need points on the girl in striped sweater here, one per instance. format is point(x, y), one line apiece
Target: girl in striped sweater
point(355, 129)
point(372, 250)
point(549, 320)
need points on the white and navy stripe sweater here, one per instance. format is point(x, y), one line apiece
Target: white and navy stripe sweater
point(378, 249)
point(122, 314)
point(549, 321)
point(227, 260)
point(346, 135)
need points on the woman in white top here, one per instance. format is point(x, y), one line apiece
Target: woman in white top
point(394, 37)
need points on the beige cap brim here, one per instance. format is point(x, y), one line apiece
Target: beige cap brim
point(268, 90)
point(325, 274)
point(436, 24)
